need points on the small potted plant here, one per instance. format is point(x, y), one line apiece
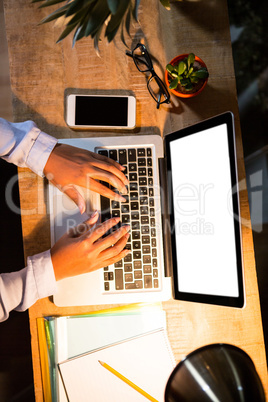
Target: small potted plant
point(186, 75)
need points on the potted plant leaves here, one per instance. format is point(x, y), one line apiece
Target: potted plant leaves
point(186, 75)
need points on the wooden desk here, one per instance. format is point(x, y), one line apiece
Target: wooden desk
point(40, 73)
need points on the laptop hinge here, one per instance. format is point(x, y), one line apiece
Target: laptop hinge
point(165, 218)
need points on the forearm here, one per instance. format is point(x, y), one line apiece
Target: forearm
point(20, 290)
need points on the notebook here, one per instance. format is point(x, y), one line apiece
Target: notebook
point(146, 360)
point(185, 233)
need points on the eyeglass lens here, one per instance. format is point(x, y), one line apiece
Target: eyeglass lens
point(142, 59)
point(157, 89)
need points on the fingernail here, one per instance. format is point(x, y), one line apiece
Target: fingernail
point(93, 215)
point(82, 208)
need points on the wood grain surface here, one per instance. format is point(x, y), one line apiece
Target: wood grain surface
point(41, 75)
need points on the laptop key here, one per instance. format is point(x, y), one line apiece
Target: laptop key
point(118, 264)
point(133, 176)
point(132, 167)
point(135, 216)
point(138, 274)
point(128, 278)
point(138, 284)
point(156, 283)
point(106, 286)
point(137, 264)
point(142, 181)
point(125, 218)
point(130, 286)
point(136, 235)
point(133, 186)
point(142, 171)
point(137, 255)
point(128, 258)
point(122, 156)
point(132, 155)
point(147, 269)
point(105, 209)
point(146, 249)
point(148, 281)
point(113, 154)
point(134, 206)
point(144, 219)
point(145, 239)
point(128, 267)
point(149, 152)
point(141, 162)
point(136, 245)
point(141, 151)
point(119, 280)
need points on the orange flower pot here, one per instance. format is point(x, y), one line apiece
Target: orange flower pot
point(176, 61)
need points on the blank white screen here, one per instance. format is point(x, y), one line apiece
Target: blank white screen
point(203, 216)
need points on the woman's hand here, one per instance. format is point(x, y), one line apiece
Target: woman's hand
point(83, 249)
point(69, 166)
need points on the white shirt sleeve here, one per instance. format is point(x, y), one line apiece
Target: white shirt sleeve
point(20, 290)
point(25, 145)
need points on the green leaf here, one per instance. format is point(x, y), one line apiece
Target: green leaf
point(113, 5)
point(165, 3)
point(50, 3)
point(128, 19)
point(78, 5)
point(194, 80)
point(184, 82)
point(98, 16)
point(189, 87)
point(56, 14)
point(170, 68)
point(200, 74)
point(96, 41)
point(181, 67)
point(190, 60)
point(174, 83)
point(116, 20)
point(66, 32)
point(135, 10)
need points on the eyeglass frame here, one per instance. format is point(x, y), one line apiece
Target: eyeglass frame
point(149, 64)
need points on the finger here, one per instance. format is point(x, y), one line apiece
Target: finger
point(108, 177)
point(74, 194)
point(115, 253)
point(106, 192)
point(101, 229)
point(111, 168)
point(113, 238)
point(84, 226)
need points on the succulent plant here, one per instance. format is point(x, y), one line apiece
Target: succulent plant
point(187, 73)
point(88, 17)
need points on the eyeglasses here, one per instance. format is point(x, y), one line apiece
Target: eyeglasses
point(144, 64)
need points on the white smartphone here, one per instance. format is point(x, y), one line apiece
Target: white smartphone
point(101, 111)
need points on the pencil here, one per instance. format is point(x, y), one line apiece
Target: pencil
point(130, 383)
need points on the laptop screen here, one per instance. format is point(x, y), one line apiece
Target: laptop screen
point(204, 216)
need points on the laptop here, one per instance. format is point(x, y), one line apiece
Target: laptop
point(183, 209)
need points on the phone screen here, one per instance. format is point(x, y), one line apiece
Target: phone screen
point(101, 111)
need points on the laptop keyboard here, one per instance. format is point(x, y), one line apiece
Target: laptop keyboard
point(140, 268)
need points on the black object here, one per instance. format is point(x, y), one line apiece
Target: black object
point(155, 85)
point(215, 373)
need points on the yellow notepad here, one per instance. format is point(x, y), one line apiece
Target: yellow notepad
point(146, 360)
